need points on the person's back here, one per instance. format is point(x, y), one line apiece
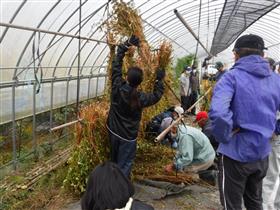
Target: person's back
point(194, 145)
point(124, 118)
point(253, 106)
point(243, 110)
point(126, 107)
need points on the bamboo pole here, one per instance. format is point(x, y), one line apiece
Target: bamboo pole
point(163, 133)
point(65, 125)
point(179, 16)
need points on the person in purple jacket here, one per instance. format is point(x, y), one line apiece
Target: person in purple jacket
point(243, 110)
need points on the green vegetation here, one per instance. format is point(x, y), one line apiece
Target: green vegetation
point(182, 62)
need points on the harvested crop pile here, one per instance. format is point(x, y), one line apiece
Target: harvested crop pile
point(91, 135)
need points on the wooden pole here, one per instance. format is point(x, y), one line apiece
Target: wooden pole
point(65, 125)
point(163, 133)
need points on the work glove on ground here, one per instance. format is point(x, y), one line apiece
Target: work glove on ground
point(133, 40)
point(160, 74)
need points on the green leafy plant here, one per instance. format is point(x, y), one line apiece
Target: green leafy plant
point(182, 62)
point(91, 148)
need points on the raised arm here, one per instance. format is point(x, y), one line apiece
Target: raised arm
point(118, 60)
point(148, 99)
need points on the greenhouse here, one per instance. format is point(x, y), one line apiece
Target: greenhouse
point(82, 83)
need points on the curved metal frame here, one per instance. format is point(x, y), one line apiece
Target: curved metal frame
point(33, 34)
point(12, 19)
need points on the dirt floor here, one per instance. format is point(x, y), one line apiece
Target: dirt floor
point(194, 197)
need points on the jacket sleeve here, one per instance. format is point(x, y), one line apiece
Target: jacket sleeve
point(148, 99)
point(220, 112)
point(184, 156)
point(277, 128)
point(117, 66)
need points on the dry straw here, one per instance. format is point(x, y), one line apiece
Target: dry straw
point(92, 132)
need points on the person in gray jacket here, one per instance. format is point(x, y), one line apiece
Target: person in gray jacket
point(194, 151)
point(271, 182)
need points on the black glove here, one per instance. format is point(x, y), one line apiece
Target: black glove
point(133, 40)
point(160, 74)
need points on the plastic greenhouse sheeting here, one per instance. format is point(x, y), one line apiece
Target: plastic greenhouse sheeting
point(29, 56)
point(236, 17)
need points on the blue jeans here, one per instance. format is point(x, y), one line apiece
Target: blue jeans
point(122, 153)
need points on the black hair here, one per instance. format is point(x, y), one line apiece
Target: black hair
point(134, 78)
point(107, 188)
point(242, 52)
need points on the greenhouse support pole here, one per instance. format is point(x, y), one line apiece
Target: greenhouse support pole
point(66, 99)
point(14, 125)
point(191, 31)
point(89, 80)
point(97, 84)
point(79, 60)
point(51, 103)
point(34, 120)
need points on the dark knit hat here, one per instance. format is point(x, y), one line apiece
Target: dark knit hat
point(250, 41)
point(219, 65)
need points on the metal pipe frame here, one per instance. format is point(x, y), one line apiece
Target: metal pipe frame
point(65, 48)
point(53, 32)
point(34, 141)
point(12, 19)
point(167, 22)
point(69, 17)
point(191, 31)
point(33, 34)
point(47, 80)
point(46, 67)
point(21, 118)
point(51, 44)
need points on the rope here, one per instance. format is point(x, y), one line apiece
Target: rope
point(36, 68)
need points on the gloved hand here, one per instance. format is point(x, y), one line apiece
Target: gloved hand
point(160, 74)
point(133, 40)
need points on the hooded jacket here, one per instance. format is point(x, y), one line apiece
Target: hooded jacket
point(246, 100)
point(124, 120)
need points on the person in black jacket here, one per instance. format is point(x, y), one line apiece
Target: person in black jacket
point(205, 124)
point(108, 188)
point(126, 108)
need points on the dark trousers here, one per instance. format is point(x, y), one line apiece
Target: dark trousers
point(193, 99)
point(123, 153)
point(185, 102)
point(239, 180)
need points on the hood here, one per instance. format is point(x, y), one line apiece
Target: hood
point(254, 64)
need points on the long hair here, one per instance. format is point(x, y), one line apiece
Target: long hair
point(107, 188)
point(134, 78)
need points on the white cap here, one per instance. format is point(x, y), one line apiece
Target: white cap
point(179, 110)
